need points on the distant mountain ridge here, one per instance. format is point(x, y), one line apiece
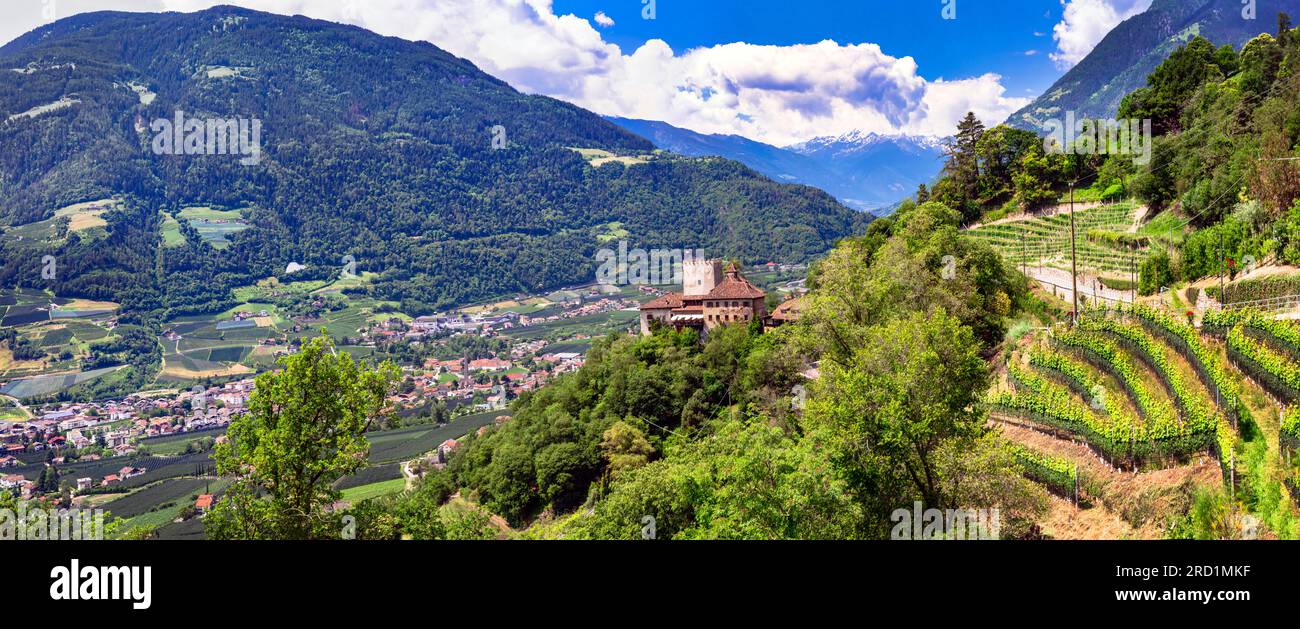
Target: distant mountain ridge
point(1122, 60)
point(866, 171)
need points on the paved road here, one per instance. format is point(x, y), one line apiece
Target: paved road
point(1089, 288)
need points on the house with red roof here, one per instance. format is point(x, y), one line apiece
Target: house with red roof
point(489, 364)
point(445, 449)
point(204, 502)
point(788, 312)
point(711, 296)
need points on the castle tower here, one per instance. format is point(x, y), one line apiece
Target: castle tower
point(699, 276)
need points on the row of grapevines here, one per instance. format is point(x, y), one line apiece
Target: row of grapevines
point(1289, 441)
point(1203, 359)
point(1291, 425)
point(1284, 333)
point(1076, 375)
point(1156, 412)
point(1037, 396)
point(1274, 370)
point(1024, 380)
point(1054, 471)
point(1218, 322)
point(1120, 437)
point(1198, 415)
point(1225, 439)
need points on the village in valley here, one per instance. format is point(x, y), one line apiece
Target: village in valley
point(70, 437)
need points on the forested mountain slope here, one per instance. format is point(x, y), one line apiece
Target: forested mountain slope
point(866, 171)
point(1122, 60)
point(371, 146)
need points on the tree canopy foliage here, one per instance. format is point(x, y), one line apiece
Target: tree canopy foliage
point(716, 438)
point(304, 429)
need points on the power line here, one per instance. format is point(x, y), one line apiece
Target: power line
point(669, 430)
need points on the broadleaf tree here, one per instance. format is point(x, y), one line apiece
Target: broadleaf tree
point(304, 429)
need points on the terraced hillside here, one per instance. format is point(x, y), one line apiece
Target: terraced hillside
point(1126, 413)
point(1105, 239)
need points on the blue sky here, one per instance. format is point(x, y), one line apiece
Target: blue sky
point(777, 71)
point(986, 36)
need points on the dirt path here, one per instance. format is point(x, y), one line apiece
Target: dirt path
point(1139, 217)
point(1079, 206)
point(1065, 521)
point(408, 475)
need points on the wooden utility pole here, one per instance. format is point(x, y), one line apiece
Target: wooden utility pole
point(1074, 270)
point(1133, 278)
point(1222, 295)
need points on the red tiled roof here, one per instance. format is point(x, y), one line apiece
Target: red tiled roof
point(204, 502)
point(788, 310)
point(668, 301)
point(735, 286)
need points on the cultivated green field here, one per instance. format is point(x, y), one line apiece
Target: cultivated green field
point(62, 329)
point(214, 226)
point(374, 490)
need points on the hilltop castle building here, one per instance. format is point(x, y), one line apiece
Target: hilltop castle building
point(711, 296)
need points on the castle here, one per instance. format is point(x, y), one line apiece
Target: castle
point(710, 297)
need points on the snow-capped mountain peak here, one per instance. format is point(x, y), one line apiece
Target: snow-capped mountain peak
point(857, 141)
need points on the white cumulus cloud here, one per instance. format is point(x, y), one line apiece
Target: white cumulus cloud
point(776, 94)
point(1085, 22)
point(604, 21)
